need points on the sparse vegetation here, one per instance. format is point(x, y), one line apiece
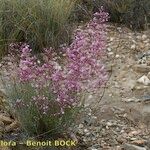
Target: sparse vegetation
point(44, 94)
point(133, 13)
point(38, 23)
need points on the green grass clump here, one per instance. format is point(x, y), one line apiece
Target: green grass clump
point(33, 122)
point(133, 13)
point(40, 23)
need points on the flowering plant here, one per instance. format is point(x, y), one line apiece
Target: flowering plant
point(44, 93)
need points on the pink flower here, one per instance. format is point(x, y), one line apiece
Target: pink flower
point(82, 70)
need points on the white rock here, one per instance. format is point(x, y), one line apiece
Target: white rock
point(144, 80)
point(130, 99)
point(117, 56)
point(111, 39)
point(110, 53)
point(89, 114)
point(133, 147)
point(109, 49)
point(148, 75)
point(81, 126)
point(144, 37)
point(109, 124)
point(86, 130)
point(133, 46)
point(94, 149)
point(110, 95)
point(138, 37)
point(90, 97)
point(141, 68)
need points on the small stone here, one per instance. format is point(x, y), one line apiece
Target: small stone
point(117, 56)
point(138, 37)
point(129, 100)
point(144, 37)
point(110, 53)
point(1, 124)
point(133, 133)
point(84, 139)
point(141, 87)
point(1, 130)
point(12, 126)
point(90, 97)
point(89, 114)
point(86, 105)
point(88, 133)
point(81, 126)
point(133, 139)
point(122, 131)
point(5, 119)
point(80, 132)
point(146, 41)
point(111, 39)
point(94, 149)
point(141, 68)
point(139, 142)
point(86, 130)
point(109, 49)
point(117, 129)
point(144, 80)
point(133, 46)
point(133, 147)
point(118, 148)
point(109, 124)
point(110, 95)
point(73, 137)
point(121, 139)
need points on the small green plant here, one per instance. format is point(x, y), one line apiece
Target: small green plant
point(40, 23)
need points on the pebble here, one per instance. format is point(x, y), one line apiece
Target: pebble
point(139, 142)
point(133, 139)
point(138, 37)
point(117, 56)
point(144, 37)
point(133, 147)
point(143, 68)
point(109, 124)
point(111, 39)
point(81, 126)
point(110, 53)
point(110, 95)
point(133, 47)
point(94, 149)
point(109, 49)
point(144, 80)
point(86, 131)
point(12, 126)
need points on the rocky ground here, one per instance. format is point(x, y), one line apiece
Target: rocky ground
point(118, 117)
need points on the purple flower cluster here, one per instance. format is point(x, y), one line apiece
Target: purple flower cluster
point(82, 70)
